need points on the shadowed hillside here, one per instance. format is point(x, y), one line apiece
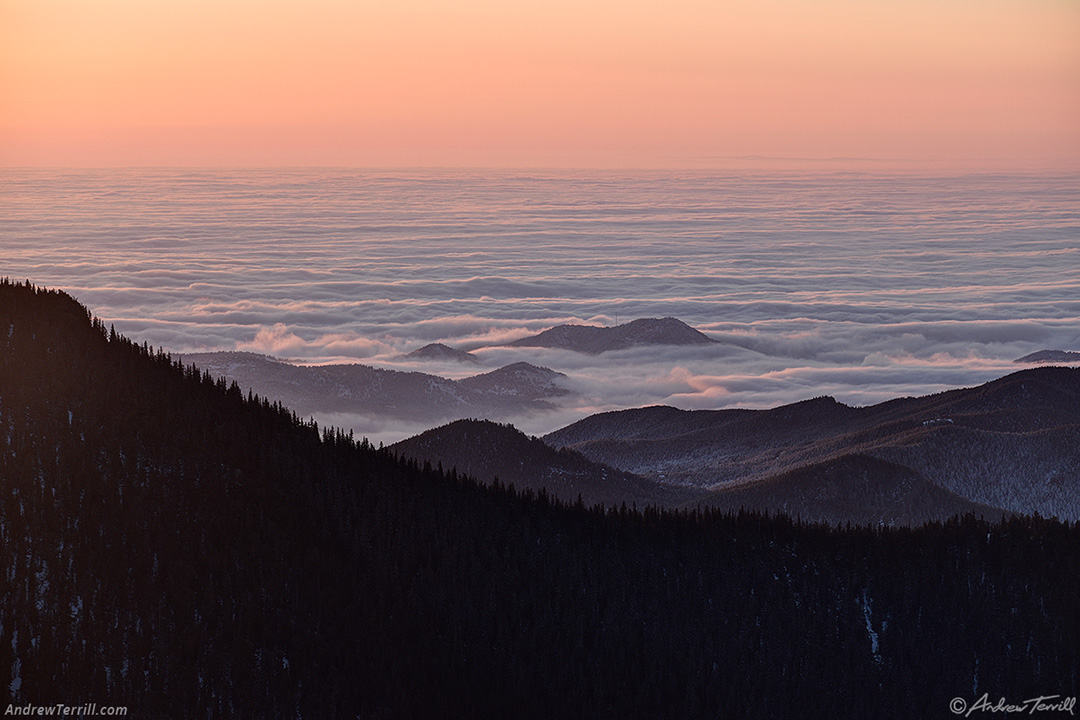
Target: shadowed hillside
point(856, 489)
point(488, 451)
point(1013, 443)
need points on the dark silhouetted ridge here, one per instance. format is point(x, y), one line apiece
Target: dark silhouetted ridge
point(177, 546)
point(489, 451)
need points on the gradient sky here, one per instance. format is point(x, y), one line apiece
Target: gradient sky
point(590, 83)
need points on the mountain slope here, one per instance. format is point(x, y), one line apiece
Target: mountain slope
point(1013, 443)
point(593, 340)
point(488, 451)
point(520, 382)
point(705, 447)
point(857, 489)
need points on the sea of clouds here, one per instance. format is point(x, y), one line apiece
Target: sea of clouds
point(860, 286)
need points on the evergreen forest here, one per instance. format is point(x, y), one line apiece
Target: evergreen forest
point(175, 545)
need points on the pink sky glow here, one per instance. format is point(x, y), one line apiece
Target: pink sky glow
point(598, 83)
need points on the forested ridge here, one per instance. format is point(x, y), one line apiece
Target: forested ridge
point(174, 545)
point(1012, 443)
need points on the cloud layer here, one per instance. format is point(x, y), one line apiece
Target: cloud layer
point(859, 286)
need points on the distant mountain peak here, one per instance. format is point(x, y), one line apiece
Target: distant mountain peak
point(1050, 356)
point(438, 351)
point(595, 339)
point(523, 367)
point(521, 380)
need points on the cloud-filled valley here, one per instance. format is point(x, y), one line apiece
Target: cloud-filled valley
point(864, 287)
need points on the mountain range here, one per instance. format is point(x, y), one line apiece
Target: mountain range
point(1009, 446)
point(311, 389)
point(1012, 444)
point(507, 392)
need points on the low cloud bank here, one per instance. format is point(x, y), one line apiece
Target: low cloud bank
point(751, 367)
point(862, 286)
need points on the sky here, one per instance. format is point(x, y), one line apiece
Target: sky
point(592, 83)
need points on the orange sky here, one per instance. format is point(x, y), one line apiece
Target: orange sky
point(588, 83)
